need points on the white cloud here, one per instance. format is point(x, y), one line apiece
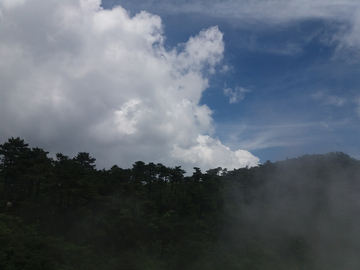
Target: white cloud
point(208, 151)
point(235, 95)
point(76, 77)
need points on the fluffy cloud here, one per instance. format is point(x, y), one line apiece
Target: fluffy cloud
point(210, 151)
point(76, 77)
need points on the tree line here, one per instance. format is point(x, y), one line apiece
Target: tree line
point(63, 213)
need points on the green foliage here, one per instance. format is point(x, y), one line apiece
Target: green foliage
point(24, 247)
point(65, 214)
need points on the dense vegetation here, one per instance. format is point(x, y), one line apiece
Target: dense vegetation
point(63, 213)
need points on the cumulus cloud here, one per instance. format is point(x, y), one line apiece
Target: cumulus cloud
point(210, 151)
point(235, 95)
point(76, 77)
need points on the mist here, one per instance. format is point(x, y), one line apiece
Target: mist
point(305, 210)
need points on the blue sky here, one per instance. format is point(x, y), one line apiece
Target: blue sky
point(192, 83)
point(302, 87)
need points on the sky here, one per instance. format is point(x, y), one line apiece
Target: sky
point(191, 83)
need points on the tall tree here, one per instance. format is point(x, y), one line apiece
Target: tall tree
point(85, 160)
point(15, 160)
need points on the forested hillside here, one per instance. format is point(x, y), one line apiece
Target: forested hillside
point(63, 213)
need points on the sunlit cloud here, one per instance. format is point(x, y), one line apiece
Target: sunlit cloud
point(76, 77)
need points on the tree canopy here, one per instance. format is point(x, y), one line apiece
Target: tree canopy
point(63, 213)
